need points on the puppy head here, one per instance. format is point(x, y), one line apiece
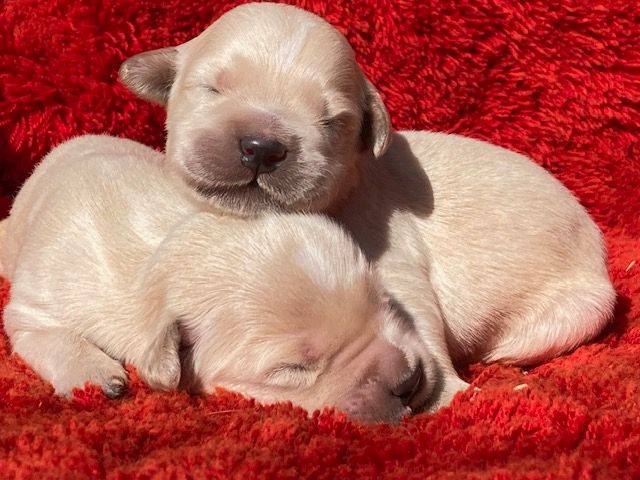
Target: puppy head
point(267, 110)
point(295, 314)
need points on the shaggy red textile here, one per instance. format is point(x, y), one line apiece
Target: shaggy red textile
point(559, 81)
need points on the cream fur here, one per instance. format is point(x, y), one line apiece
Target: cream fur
point(488, 255)
point(304, 90)
point(494, 252)
point(111, 262)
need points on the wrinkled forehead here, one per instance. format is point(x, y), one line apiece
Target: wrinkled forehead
point(277, 58)
point(311, 336)
point(296, 306)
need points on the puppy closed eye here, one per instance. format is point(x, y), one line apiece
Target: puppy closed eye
point(330, 123)
point(211, 89)
point(292, 375)
point(337, 123)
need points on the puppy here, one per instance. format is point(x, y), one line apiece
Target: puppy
point(489, 255)
point(108, 259)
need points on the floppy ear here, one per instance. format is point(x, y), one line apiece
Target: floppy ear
point(376, 124)
point(150, 74)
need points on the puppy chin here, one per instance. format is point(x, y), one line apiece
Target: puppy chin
point(251, 197)
point(247, 200)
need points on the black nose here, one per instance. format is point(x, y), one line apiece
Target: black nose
point(407, 391)
point(262, 155)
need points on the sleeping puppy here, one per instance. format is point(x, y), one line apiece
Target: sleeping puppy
point(489, 255)
point(108, 260)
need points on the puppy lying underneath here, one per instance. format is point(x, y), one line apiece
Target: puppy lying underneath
point(108, 260)
point(489, 255)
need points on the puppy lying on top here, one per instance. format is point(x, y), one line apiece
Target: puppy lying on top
point(110, 262)
point(489, 255)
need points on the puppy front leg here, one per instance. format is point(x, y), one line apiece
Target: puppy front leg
point(155, 346)
point(159, 362)
point(64, 359)
point(413, 298)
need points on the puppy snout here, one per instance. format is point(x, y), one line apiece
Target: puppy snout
point(262, 155)
point(408, 390)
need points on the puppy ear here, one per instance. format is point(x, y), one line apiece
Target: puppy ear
point(150, 74)
point(376, 124)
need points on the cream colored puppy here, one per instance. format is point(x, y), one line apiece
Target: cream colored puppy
point(110, 262)
point(488, 254)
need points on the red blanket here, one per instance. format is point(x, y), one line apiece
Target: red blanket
point(558, 81)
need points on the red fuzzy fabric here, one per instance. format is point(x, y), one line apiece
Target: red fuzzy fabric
point(558, 81)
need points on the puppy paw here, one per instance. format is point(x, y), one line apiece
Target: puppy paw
point(100, 370)
point(451, 386)
point(161, 370)
point(115, 387)
point(68, 361)
point(163, 376)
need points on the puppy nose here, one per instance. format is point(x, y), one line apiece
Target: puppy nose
point(407, 391)
point(262, 155)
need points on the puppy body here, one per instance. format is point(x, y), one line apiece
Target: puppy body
point(488, 254)
point(107, 256)
point(493, 257)
point(74, 251)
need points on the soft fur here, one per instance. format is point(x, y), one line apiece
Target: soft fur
point(288, 77)
point(489, 255)
point(110, 262)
